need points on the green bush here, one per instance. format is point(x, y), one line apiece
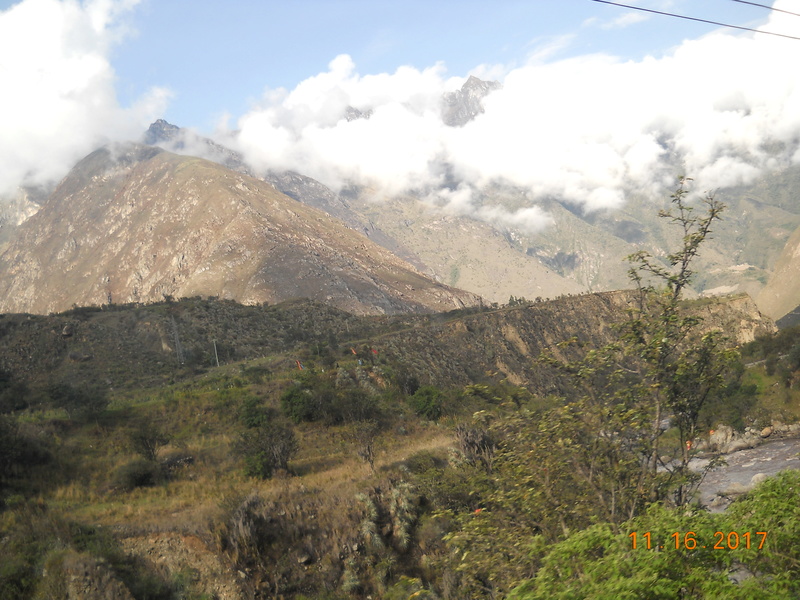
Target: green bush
point(301, 403)
point(19, 450)
point(422, 461)
point(137, 473)
point(80, 403)
point(147, 440)
point(267, 449)
point(427, 402)
point(323, 403)
point(253, 413)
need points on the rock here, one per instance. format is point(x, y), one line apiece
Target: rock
point(741, 443)
point(721, 437)
point(735, 489)
point(758, 478)
point(304, 559)
point(766, 432)
point(793, 429)
point(718, 501)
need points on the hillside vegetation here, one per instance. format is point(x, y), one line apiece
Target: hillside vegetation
point(202, 449)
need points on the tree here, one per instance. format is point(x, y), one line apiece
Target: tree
point(147, 440)
point(682, 365)
point(427, 402)
point(663, 366)
point(364, 435)
point(267, 449)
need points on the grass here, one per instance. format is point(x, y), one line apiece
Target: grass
point(201, 418)
point(774, 398)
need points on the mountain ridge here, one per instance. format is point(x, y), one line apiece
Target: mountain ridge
point(136, 223)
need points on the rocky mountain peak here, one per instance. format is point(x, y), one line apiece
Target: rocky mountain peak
point(352, 114)
point(463, 105)
point(161, 131)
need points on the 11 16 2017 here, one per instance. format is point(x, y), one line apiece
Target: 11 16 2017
point(722, 540)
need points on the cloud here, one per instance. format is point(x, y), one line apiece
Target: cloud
point(625, 20)
point(590, 130)
point(58, 101)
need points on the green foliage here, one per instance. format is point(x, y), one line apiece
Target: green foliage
point(314, 398)
point(663, 366)
point(13, 393)
point(253, 413)
point(139, 472)
point(19, 451)
point(773, 507)
point(146, 441)
point(767, 346)
point(427, 402)
point(303, 403)
point(267, 449)
point(79, 403)
point(407, 589)
point(600, 563)
point(422, 461)
point(36, 537)
point(731, 406)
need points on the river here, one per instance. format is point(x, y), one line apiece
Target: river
point(725, 482)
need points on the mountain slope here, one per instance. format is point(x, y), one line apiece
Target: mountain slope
point(137, 224)
point(125, 346)
point(579, 251)
point(782, 292)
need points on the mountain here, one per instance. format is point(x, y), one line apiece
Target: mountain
point(580, 251)
point(464, 104)
point(498, 257)
point(16, 208)
point(457, 250)
point(781, 295)
point(135, 223)
point(300, 187)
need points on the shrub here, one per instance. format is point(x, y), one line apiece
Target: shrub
point(18, 450)
point(323, 403)
point(84, 403)
point(147, 440)
point(300, 403)
point(476, 445)
point(137, 473)
point(422, 461)
point(427, 402)
point(267, 449)
point(253, 413)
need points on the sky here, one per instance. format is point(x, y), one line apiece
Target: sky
point(597, 102)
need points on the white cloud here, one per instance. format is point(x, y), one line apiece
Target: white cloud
point(590, 130)
point(625, 20)
point(58, 101)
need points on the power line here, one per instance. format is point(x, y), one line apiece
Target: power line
point(658, 12)
point(766, 6)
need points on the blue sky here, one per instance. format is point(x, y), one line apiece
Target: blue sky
point(598, 101)
point(218, 57)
